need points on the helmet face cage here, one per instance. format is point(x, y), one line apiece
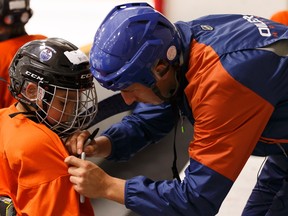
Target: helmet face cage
point(15, 12)
point(128, 43)
point(65, 110)
point(66, 95)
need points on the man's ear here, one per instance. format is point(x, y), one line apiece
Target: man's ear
point(31, 91)
point(161, 69)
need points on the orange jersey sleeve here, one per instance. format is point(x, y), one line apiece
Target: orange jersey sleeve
point(8, 48)
point(33, 172)
point(281, 17)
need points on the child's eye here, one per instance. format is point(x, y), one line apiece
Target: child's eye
point(62, 103)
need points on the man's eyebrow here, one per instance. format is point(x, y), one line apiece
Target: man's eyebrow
point(128, 90)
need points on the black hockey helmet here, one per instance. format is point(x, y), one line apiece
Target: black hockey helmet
point(54, 64)
point(14, 12)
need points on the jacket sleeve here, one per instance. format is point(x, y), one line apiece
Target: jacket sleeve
point(147, 124)
point(195, 195)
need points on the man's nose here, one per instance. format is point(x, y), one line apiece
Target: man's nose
point(128, 97)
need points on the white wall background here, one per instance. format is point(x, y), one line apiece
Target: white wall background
point(190, 9)
point(74, 20)
point(77, 20)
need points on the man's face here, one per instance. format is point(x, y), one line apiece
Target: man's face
point(139, 93)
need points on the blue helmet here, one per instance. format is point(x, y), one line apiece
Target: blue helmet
point(129, 42)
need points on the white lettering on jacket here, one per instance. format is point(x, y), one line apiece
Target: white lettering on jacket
point(262, 27)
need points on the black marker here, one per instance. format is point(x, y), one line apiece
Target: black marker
point(91, 137)
point(83, 155)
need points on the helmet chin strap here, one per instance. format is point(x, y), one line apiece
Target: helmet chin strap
point(172, 91)
point(28, 113)
point(157, 92)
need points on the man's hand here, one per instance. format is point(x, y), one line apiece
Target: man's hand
point(74, 143)
point(91, 181)
point(99, 147)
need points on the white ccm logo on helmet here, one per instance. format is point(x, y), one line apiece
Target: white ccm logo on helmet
point(262, 27)
point(34, 76)
point(85, 76)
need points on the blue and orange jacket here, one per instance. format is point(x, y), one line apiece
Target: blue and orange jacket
point(234, 91)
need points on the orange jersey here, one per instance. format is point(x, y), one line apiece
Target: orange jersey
point(32, 172)
point(281, 17)
point(8, 48)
